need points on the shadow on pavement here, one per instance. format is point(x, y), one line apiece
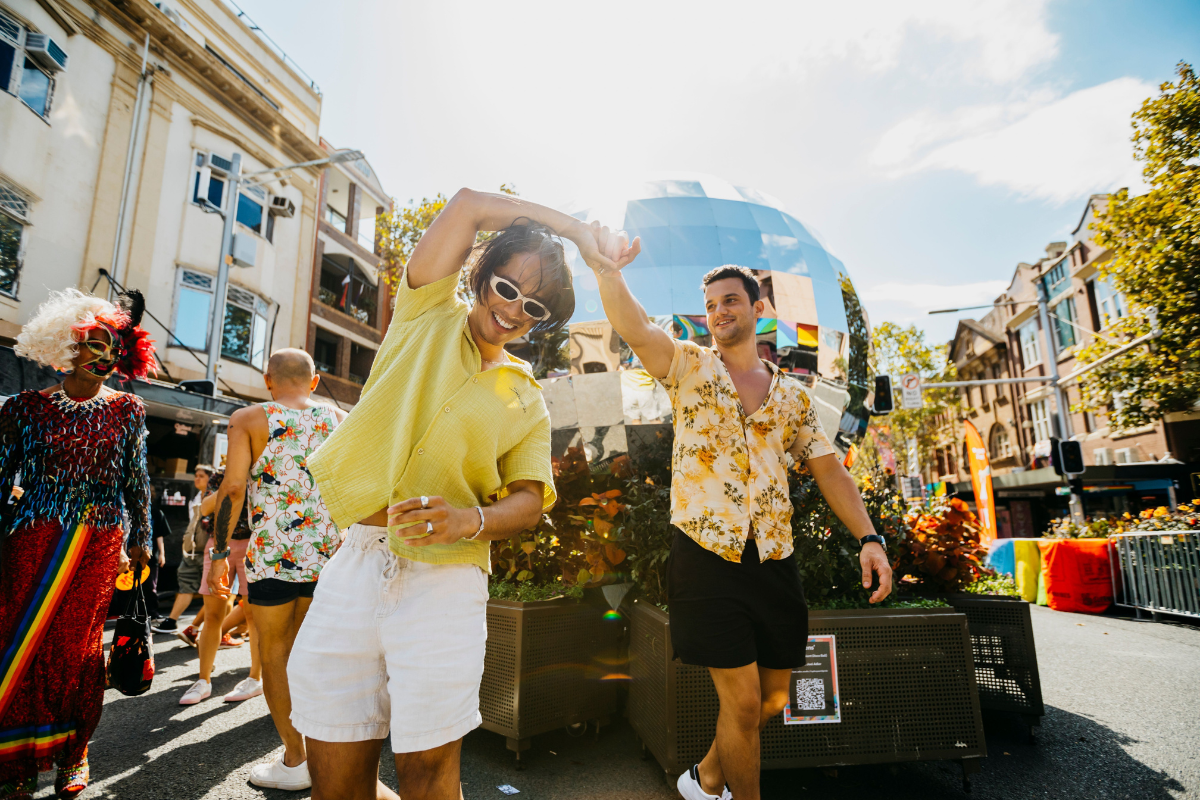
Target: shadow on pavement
point(1073, 758)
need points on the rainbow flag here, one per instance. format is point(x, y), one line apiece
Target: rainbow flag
point(54, 578)
point(34, 741)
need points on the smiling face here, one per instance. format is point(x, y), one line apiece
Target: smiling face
point(731, 316)
point(498, 321)
point(96, 356)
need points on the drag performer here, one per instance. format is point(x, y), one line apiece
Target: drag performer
point(79, 449)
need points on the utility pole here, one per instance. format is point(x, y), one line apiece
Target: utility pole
point(1060, 400)
point(217, 327)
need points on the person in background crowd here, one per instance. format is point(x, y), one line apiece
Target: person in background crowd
point(80, 449)
point(448, 449)
point(191, 566)
point(293, 535)
point(737, 605)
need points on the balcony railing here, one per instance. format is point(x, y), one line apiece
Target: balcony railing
point(332, 300)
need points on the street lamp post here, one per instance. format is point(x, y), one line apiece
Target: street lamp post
point(234, 181)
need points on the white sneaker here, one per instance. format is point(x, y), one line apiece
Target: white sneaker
point(726, 794)
point(689, 786)
point(244, 691)
point(275, 774)
point(200, 690)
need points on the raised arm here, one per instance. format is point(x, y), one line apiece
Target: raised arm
point(651, 343)
point(445, 246)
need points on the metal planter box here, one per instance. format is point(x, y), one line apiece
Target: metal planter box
point(1006, 668)
point(545, 667)
point(906, 685)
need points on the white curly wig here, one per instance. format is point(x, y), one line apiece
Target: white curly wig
point(50, 338)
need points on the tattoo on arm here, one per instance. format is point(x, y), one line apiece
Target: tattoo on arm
point(224, 524)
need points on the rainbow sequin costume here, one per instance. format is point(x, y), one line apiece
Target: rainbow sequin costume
point(82, 466)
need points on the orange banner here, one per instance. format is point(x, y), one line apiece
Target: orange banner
point(981, 482)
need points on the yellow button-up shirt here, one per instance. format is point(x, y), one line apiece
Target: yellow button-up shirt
point(429, 422)
point(729, 469)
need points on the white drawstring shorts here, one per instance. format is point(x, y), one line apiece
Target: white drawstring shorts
point(390, 645)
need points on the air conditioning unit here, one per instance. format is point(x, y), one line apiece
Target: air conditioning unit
point(46, 52)
point(1102, 456)
point(282, 206)
point(217, 164)
point(1127, 455)
point(245, 248)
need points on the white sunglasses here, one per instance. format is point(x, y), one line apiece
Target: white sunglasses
point(508, 291)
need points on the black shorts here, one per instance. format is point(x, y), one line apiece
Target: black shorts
point(726, 614)
point(274, 592)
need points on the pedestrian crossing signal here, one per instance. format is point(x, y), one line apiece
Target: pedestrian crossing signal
point(1066, 456)
point(884, 402)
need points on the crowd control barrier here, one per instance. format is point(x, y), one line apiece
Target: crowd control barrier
point(1158, 572)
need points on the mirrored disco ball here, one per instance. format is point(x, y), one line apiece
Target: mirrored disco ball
point(814, 326)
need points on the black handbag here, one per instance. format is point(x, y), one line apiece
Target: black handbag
point(130, 667)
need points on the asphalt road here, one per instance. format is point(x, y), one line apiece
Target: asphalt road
point(1123, 721)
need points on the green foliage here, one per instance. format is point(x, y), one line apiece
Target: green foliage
point(900, 350)
point(1155, 243)
point(530, 592)
point(994, 583)
point(398, 230)
point(647, 533)
point(549, 350)
point(940, 550)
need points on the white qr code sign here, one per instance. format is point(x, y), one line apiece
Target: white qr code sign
point(814, 688)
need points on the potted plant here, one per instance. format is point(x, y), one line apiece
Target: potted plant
point(906, 686)
point(940, 555)
point(554, 648)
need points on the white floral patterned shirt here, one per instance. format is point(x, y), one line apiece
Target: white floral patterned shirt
point(729, 469)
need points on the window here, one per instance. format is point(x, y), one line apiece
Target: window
point(361, 359)
point(1063, 316)
point(250, 213)
point(19, 74)
point(245, 334)
point(325, 351)
point(1110, 301)
point(335, 218)
point(14, 214)
point(1031, 351)
point(216, 185)
point(1039, 412)
point(347, 290)
point(1057, 279)
point(998, 443)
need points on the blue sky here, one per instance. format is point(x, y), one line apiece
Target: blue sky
point(932, 143)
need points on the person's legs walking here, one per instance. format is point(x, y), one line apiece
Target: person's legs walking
point(736, 745)
point(347, 770)
point(277, 627)
point(431, 774)
point(773, 689)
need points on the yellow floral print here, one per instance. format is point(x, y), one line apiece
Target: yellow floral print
point(730, 470)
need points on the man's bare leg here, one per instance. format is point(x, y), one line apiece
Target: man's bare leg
point(182, 601)
point(774, 685)
point(255, 658)
point(210, 635)
point(431, 774)
point(277, 627)
point(346, 771)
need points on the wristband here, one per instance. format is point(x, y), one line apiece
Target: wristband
point(476, 534)
point(215, 556)
point(873, 537)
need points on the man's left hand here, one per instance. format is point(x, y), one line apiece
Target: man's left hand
point(216, 577)
point(874, 562)
point(139, 555)
point(449, 523)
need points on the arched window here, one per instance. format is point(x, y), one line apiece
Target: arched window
point(999, 445)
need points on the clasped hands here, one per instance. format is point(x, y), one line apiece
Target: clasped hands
point(603, 250)
point(437, 523)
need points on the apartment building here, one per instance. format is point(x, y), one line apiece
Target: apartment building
point(349, 308)
point(113, 112)
point(1125, 468)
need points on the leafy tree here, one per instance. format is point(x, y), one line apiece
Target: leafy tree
point(1155, 244)
point(398, 231)
point(899, 350)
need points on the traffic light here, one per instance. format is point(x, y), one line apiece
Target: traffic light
point(199, 387)
point(884, 403)
point(1066, 456)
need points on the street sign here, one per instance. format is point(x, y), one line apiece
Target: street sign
point(910, 391)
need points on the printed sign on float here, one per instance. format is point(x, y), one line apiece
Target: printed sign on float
point(814, 689)
point(910, 391)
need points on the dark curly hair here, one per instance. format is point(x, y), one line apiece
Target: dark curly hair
point(744, 274)
point(555, 289)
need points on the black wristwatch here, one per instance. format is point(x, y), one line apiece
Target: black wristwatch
point(873, 537)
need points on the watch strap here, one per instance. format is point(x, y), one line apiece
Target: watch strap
point(873, 537)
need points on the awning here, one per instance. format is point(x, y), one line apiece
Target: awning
point(170, 402)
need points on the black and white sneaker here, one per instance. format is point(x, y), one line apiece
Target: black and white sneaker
point(165, 625)
point(689, 786)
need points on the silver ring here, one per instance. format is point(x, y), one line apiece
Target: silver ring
point(424, 501)
point(429, 527)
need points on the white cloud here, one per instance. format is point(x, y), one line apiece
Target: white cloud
point(1054, 149)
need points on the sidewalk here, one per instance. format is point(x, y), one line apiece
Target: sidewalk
point(1123, 721)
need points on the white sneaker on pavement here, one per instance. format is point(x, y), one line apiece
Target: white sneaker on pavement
point(275, 774)
point(689, 786)
point(726, 794)
point(244, 691)
point(200, 690)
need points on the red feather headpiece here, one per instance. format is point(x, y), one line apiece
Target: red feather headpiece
point(135, 348)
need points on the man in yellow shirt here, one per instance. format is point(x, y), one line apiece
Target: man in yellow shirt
point(448, 449)
point(737, 606)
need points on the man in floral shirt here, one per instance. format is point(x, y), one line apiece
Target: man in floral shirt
point(292, 535)
point(737, 606)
